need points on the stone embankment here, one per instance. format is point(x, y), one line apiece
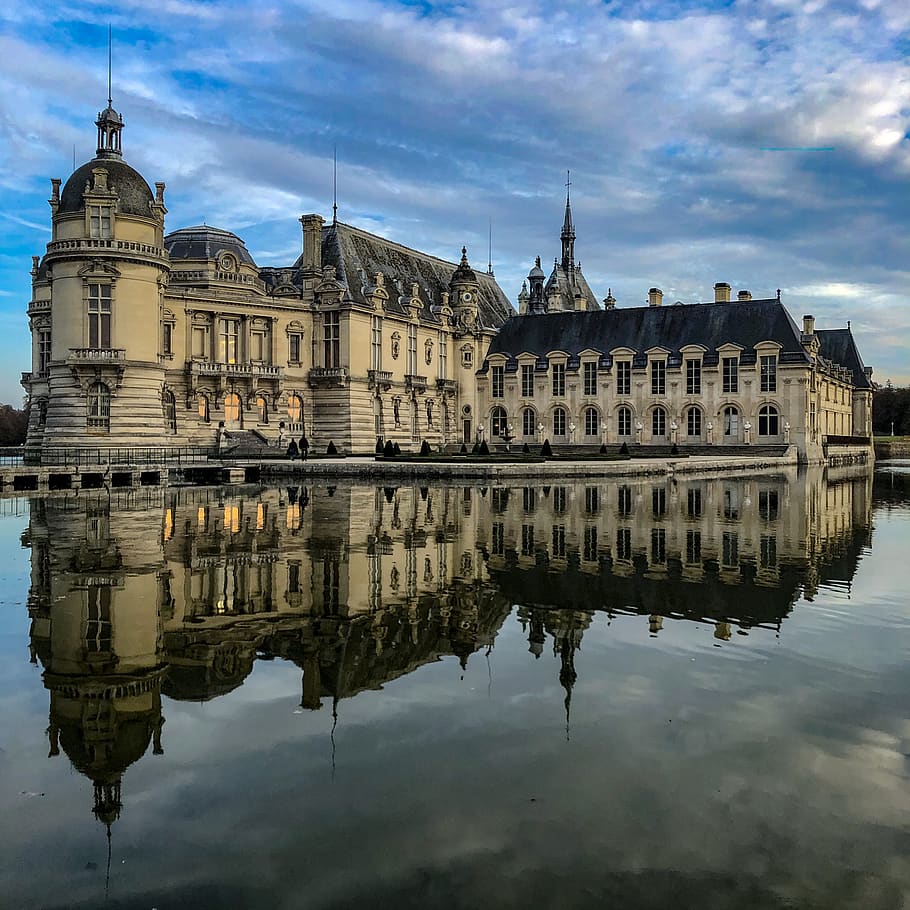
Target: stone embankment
point(889, 449)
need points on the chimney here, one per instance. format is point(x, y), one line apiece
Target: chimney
point(808, 325)
point(721, 292)
point(312, 243)
point(655, 297)
point(744, 295)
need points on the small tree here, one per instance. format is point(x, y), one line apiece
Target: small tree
point(396, 450)
point(463, 450)
point(424, 449)
point(624, 449)
point(484, 449)
point(546, 450)
point(293, 451)
point(379, 446)
point(475, 449)
point(388, 450)
point(331, 450)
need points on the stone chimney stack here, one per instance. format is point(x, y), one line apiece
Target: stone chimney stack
point(721, 292)
point(744, 295)
point(312, 242)
point(655, 297)
point(808, 325)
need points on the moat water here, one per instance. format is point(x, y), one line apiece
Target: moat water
point(670, 693)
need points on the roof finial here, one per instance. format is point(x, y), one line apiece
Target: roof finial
point(335, 184)
point(568, 184)
point(490, 260)
point(110, 61)
point(778, 293)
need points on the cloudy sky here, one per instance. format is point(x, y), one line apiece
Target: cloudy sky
point(761, 142)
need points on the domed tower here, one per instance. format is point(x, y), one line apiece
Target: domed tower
point(465, 291)
point(95, 310)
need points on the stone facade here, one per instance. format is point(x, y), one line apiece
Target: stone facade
point(144, 338)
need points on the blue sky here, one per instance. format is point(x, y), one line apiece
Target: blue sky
point(684, 125)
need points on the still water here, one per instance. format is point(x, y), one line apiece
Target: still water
point(647, 695)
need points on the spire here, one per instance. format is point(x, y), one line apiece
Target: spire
point(490, 260)
point(335, 186)
point(568, 233)
point(109, 122)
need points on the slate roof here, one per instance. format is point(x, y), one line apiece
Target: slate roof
point(838, 346)
point(205, 242)
point(135, 195)
point(358, 255)
point(744, 323)
point(567, 284)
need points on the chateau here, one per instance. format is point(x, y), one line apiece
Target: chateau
point(141, 337)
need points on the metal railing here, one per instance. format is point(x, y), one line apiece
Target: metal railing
point(79, 456)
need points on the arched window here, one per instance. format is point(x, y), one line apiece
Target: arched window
point(99, 406)
point(498, 422)
point(169, 405)
point(231, 407)
point(592, 422)
point(624, 422)
point(768, 420)
point(559, 422)
point(731, 422)
point(262, 407)
point(295, 408)
point(202, 402)
point(658, 422)
point(693, 422)
point(528, 422)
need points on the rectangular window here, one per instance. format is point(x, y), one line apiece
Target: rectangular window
point(768, 551)
point(624, 544)
point(658, 377)
point(44, 351)
point(294, 347)
point(768, 505)
point(527, 540)
point(559, 379)
point(443, 355)
point(658, 546)
point(693, 503)
point(228, 338)
point(498, 539)
point(331, 336)
point(498, 381)
point(258, 346)
point(731, 375)
point(624, 377)
point(99, 316)
point(100, 222)
point(590, 378)
point(592, 500)
point(527, 380)
point(98, 626)
point(528, 499)
point(730, 550)
point(589, 545)
point(559, 500)
point(624, 500)
point(412, 350)
point(200, 342)
point(559, 541)
point(693, 547)
point(167, 338)
point(376, 343)
point(693, 377)
point(659, 502)
point(769, 373)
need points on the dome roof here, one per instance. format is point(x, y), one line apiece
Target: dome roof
point(204, 242)
point(464, 273)
point(135, 195)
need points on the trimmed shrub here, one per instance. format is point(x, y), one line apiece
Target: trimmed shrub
point(293, 451)
point(525, 449)
point(484, 448)
point(475, 449)
point(331, 450)
point(675, 449)
point(424, 448)
point(396, 449)
point(545, 449)
point(463, 450)
point(379, 446)
point(388, 450)
point(603, 448)
point(624, 449)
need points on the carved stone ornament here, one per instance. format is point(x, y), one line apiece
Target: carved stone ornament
point(396, 345)
point(428, 351)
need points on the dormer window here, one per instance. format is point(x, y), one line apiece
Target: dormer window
point(693, 376)
point(658, 377)
point(100, 222)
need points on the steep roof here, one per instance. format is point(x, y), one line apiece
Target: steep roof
point(358, 255)
point(568, 284)
point(744, 323)
point(838, 345)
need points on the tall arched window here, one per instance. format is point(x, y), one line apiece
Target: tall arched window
point(768, 420)
point(99, 406)
point(498, 422)
point(624, 422)
point(559, 422)
point(592, 422)
point(693, 422)
point(731, 422)
point(202, 402)
point(262, 407)
point(658, 422)
point(295, 409)
point(528, 422)
point(169, 405)
point(231, 407)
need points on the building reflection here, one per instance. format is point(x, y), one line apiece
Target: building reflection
point(143, 593)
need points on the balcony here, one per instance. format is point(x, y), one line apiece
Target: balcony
point(26, 378)
point(328, 377)
point(415, 383)
point(446, 386)
point(379, 379)
point(241, 370)
point(97, 355)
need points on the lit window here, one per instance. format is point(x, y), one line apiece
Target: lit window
point(231, 408)
point(295, 408)
point(228, 335)
point(498, 422)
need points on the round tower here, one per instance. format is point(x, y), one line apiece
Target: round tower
point(96, 377)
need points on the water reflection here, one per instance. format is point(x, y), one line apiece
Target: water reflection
point(140, 594)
